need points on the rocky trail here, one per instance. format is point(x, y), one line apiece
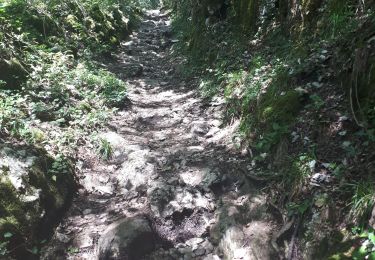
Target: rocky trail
point(174, 188)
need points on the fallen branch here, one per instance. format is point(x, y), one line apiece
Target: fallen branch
point(281, 232)
point(292, 241)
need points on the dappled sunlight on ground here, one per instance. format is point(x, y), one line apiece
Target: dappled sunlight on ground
point(172, 162)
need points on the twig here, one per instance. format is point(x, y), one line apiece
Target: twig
point(283, 230)
point(292, 241)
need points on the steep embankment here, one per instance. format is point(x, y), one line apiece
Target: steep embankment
point(53, 98)
point(298, 76)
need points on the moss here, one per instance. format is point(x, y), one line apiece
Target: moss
point(282, 109)
point(51, 182)
point(11, 209)
point(16, 218)
point(247, 14)
point(45, 25)
point(334, 246)
point(13, 73)
point(295, 173)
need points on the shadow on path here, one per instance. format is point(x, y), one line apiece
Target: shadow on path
point(172, 163)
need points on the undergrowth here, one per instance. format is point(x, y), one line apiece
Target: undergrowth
point(46, 54)
point(54, 97)
point(280, 82)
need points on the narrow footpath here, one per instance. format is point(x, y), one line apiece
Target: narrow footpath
point(175, 187)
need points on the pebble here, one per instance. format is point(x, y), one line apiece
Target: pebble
point(195, 241)
point(208, 246)
point(62, 237)
point(87, 211)
point(211, 257)
point(180, 245)
point(184, 250)
point(199, 251)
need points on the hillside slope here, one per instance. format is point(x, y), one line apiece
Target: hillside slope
point(298, 77)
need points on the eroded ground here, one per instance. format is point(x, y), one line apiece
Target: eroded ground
point(173, 168)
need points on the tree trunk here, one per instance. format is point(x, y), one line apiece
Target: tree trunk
point(247, 12)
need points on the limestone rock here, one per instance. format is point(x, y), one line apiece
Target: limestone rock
point(13, 73)
point(34, 190)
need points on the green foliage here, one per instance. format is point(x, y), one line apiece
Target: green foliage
point(4, 244)
point(270, 138)
point(59, 78)
point(112, 89)
point(278, 108)
point(267, 78)
point(296, 175)
point(12, 113)
point(316, 102)
point(105, 149)
point(362, 245)
point(264, 100)
point(362, 201)
point(89, 22)
point(60, 167)
point(368, 135)
point(339, 20)
point(45, 37)
point(13, 219)
point(73, 250)
point(367, 249)
point(3, 248)
point(78, 27)
point(64, 92)
point(298, 208)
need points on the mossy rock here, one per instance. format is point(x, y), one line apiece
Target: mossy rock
point(97, 14)
point(279, 108)
point(333, 246)
point(44, 25)
point(12, 73)
point(35, 189)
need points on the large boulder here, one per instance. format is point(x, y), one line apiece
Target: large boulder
point(12, 73)
point(136, 172)
point(130, 238)
point(34, 191)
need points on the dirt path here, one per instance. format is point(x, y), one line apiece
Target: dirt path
point(172, 164)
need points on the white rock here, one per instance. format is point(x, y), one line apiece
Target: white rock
point(87, 211)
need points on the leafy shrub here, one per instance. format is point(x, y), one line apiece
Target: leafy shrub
point(105, 149)
point(112, 89)
point(12, 112)
point(60, 79)
point(362, 200)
